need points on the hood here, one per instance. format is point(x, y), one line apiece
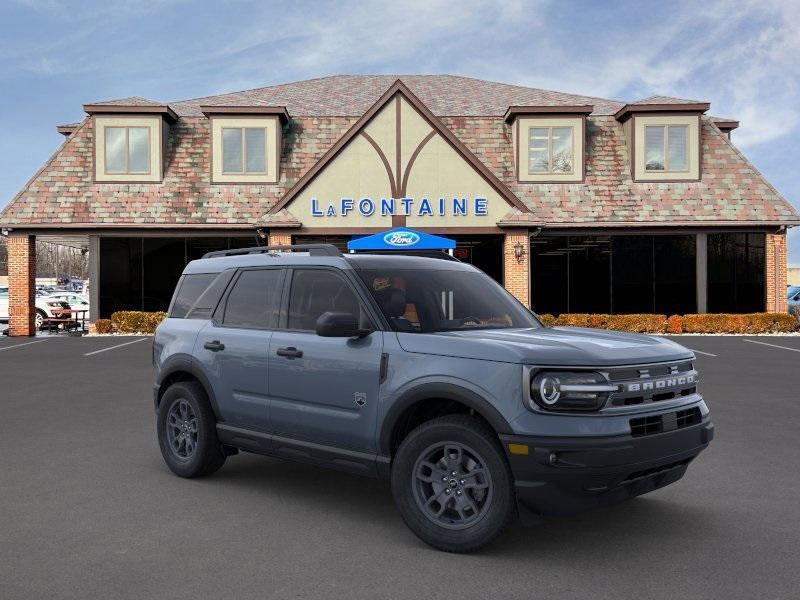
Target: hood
point(556, 346)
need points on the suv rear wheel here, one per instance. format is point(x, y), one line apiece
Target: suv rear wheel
point(187, 432)
point(452, 484)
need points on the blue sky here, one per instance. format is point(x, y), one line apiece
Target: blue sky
point(56, 55)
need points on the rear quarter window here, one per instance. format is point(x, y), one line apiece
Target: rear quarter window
point(190, 288)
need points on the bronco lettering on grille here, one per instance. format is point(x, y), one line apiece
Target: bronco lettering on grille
point(660, 384)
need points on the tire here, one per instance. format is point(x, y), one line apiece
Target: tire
point(187, 432)
point(480, 502)
point(39, 318)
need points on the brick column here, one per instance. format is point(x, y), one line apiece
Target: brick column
point(517, 273)
point(21, 284)
point(775, 273)
point(280, 237)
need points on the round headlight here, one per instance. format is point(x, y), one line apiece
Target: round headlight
point(549, 390)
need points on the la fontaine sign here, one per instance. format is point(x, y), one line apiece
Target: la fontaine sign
point(389, 207)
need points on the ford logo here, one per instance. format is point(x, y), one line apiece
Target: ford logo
point(401, 238)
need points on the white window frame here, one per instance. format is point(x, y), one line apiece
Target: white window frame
point(550, 170)
point(243, 129)
point(127, 129)
point(665, 148)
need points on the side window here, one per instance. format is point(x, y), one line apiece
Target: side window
point(254, 300)
point(191, 287)
point(316, 291)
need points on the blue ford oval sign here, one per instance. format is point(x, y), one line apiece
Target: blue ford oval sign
point(401, 238)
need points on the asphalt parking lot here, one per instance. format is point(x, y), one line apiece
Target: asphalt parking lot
point(89, 510)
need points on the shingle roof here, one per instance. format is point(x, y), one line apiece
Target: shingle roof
point(665, 100)
point(63, 193)
point(130, 101)
point(352, 95)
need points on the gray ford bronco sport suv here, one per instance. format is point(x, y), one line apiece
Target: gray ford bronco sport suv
point(424, 371)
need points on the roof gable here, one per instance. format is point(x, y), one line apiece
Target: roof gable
point(398, 170)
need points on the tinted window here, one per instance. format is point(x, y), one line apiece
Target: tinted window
point(316, 291)
point(191, 286)
point(254, 300)
point(441, 300)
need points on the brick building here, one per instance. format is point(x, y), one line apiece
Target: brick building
point(574, 203)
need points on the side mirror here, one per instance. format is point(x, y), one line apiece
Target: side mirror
point(339, 324)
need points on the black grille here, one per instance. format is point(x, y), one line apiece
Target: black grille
point(642, 426)
point(652, 383)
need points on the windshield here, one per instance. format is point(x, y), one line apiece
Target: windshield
point(427, 301)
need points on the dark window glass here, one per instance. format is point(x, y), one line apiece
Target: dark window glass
point(121, 275)
point(483, 251)
point(316, 291)
point(632, 274)
point(589, 274)
point(163, 261)
point(550, 275)
point(675, 274)
point(442, 300)
point(254, 300)
point(736, 272)
point(191, 287)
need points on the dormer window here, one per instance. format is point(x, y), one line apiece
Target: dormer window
point(129, 140)
point(127, 150)
point(550, 150)
point(666, 148)
point(245, 143)
point(244, 150)
point(548, 142)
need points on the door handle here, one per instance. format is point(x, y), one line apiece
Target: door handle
point(214, 346)
point(290, 352)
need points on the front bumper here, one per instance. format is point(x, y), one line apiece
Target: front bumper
point(560, 476)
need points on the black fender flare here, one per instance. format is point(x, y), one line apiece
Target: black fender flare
point(445, 391)
point(185, 364)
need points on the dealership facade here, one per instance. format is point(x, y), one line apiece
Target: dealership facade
point(573, 203)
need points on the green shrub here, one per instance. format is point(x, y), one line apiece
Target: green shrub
point(136, 321)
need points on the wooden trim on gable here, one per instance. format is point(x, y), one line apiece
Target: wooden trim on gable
point(398, 87)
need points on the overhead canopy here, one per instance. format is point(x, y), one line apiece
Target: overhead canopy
point(401, 238)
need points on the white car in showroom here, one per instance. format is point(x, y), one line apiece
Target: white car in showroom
point(47, 307)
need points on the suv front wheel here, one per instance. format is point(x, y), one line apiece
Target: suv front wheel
point(187, 432)
point(452, 484)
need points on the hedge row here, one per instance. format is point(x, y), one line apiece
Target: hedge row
point(133, 321)
point(136, 321)
point(707, 323)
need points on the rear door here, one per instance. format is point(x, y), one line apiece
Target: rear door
point(324, 390)
point(232, 348)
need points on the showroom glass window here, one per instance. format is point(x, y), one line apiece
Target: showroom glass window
point(244, 150)
point(736, 265)
point(666, 148)
point(127, 150)
point(550, 150)
point(141, 273)
point(614, 274)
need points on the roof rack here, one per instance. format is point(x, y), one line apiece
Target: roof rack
point(312, 249)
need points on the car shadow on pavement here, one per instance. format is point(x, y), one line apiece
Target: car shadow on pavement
point(641, 525)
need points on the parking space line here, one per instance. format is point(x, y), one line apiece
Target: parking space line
point(115, 347)
point(20, 345)
point(772, 345)
point(701, 352)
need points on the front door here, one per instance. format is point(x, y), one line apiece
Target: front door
point(233, 349)
point(324, 390)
